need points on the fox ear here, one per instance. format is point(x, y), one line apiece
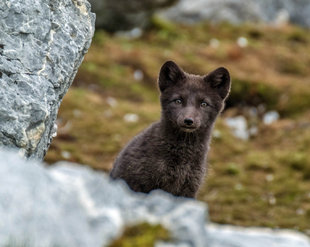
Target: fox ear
point(170, 73)
point(219, 79)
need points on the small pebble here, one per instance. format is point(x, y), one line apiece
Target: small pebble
point(239, 127)
point(242, 42)
point(238, 187)
point(112, 101)
point(138, 75)
point(300, 211)
point(270, 117)
point(131, 118)
point(77, 113)
point(272, 200)
point(269, 177)
point(214, 43)
point(66, 154)
point(217, 134)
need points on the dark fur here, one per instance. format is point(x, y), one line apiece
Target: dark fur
point(171, 155)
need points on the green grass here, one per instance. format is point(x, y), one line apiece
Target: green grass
point(141, 235)
point(261, 182)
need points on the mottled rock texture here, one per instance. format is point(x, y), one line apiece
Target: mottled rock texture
point(42, 44)
point(73, 206)
point(122, 15)
point(238, 11)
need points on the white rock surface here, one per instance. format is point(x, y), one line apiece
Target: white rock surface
point(232, 236)
point(73, 206)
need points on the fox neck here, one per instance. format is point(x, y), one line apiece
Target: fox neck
point(173, 133)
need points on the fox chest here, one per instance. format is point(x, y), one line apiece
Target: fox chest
point(181, 169)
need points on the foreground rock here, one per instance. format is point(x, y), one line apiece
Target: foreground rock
point(42, 44)
point(237, 11)
point(232, 236)
point(71, 205)
point(122, 15)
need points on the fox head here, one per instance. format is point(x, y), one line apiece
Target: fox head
point(192, 102)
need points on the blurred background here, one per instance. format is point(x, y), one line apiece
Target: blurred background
point(259, 162)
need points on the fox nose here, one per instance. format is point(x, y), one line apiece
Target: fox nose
point(188, 121)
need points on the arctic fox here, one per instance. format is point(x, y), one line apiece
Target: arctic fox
point(171, 153)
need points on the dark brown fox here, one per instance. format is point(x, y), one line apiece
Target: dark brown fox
point(171, 154)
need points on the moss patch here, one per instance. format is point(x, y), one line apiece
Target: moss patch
point(141, 235)
point(251, 93)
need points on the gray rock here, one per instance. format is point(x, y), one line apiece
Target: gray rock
point(42, 44)
point(238, 126)
point(238, 11)
point(71, 205)
point(124, 15)
point(232, 236)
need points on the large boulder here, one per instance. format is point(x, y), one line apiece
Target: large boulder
point(238, 11)
point(42, 44)
point(123, 15)
point(73, 206)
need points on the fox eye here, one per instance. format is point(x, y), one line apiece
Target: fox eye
point(178, 101)
point(204, 104)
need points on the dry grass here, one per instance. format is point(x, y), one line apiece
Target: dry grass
point(264, 181)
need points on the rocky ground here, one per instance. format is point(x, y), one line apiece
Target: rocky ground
point(260, 178)
point(74, 206)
